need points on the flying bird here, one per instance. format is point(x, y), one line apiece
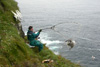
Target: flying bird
point(93, 57)
point(70, 43)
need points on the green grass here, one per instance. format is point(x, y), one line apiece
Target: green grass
point(13, 50)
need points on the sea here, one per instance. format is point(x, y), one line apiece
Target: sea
point(78, 20)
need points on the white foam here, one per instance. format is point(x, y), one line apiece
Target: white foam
point(48, 42)
point(25, 33)
point(44, 38)
point(55, 47)
point(57, 53)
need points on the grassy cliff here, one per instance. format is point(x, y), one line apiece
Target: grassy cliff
point(13, 50)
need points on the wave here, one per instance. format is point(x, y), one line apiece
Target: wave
point(88, 39)
point(48, 42)
point(44, 38)
point(57, 53)
point(89, 48)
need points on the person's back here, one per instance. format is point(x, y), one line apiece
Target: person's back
point(31, 37)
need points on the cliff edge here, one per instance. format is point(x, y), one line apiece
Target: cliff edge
point(13, 50)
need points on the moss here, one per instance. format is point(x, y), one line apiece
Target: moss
point(13, 50)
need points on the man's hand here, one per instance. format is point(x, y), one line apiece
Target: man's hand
point(40, 30)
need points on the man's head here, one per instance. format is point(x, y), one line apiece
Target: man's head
point(30, 28)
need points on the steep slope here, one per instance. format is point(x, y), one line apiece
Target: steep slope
point(13, 50)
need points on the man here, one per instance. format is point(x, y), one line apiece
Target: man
point(32, 38)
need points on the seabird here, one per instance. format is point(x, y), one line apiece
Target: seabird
point(70, 43)
point(93, 57)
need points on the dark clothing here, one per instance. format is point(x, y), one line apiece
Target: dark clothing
point(33, 42)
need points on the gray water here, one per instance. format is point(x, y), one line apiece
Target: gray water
point(81, 22)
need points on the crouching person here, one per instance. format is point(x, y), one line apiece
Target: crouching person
point(32, 38)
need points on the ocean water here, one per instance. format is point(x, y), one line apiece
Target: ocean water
point(80, 21)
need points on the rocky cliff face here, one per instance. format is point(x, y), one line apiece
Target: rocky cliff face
point(20, 30)
point(3, 9)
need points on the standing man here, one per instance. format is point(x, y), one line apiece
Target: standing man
point(32, 38)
